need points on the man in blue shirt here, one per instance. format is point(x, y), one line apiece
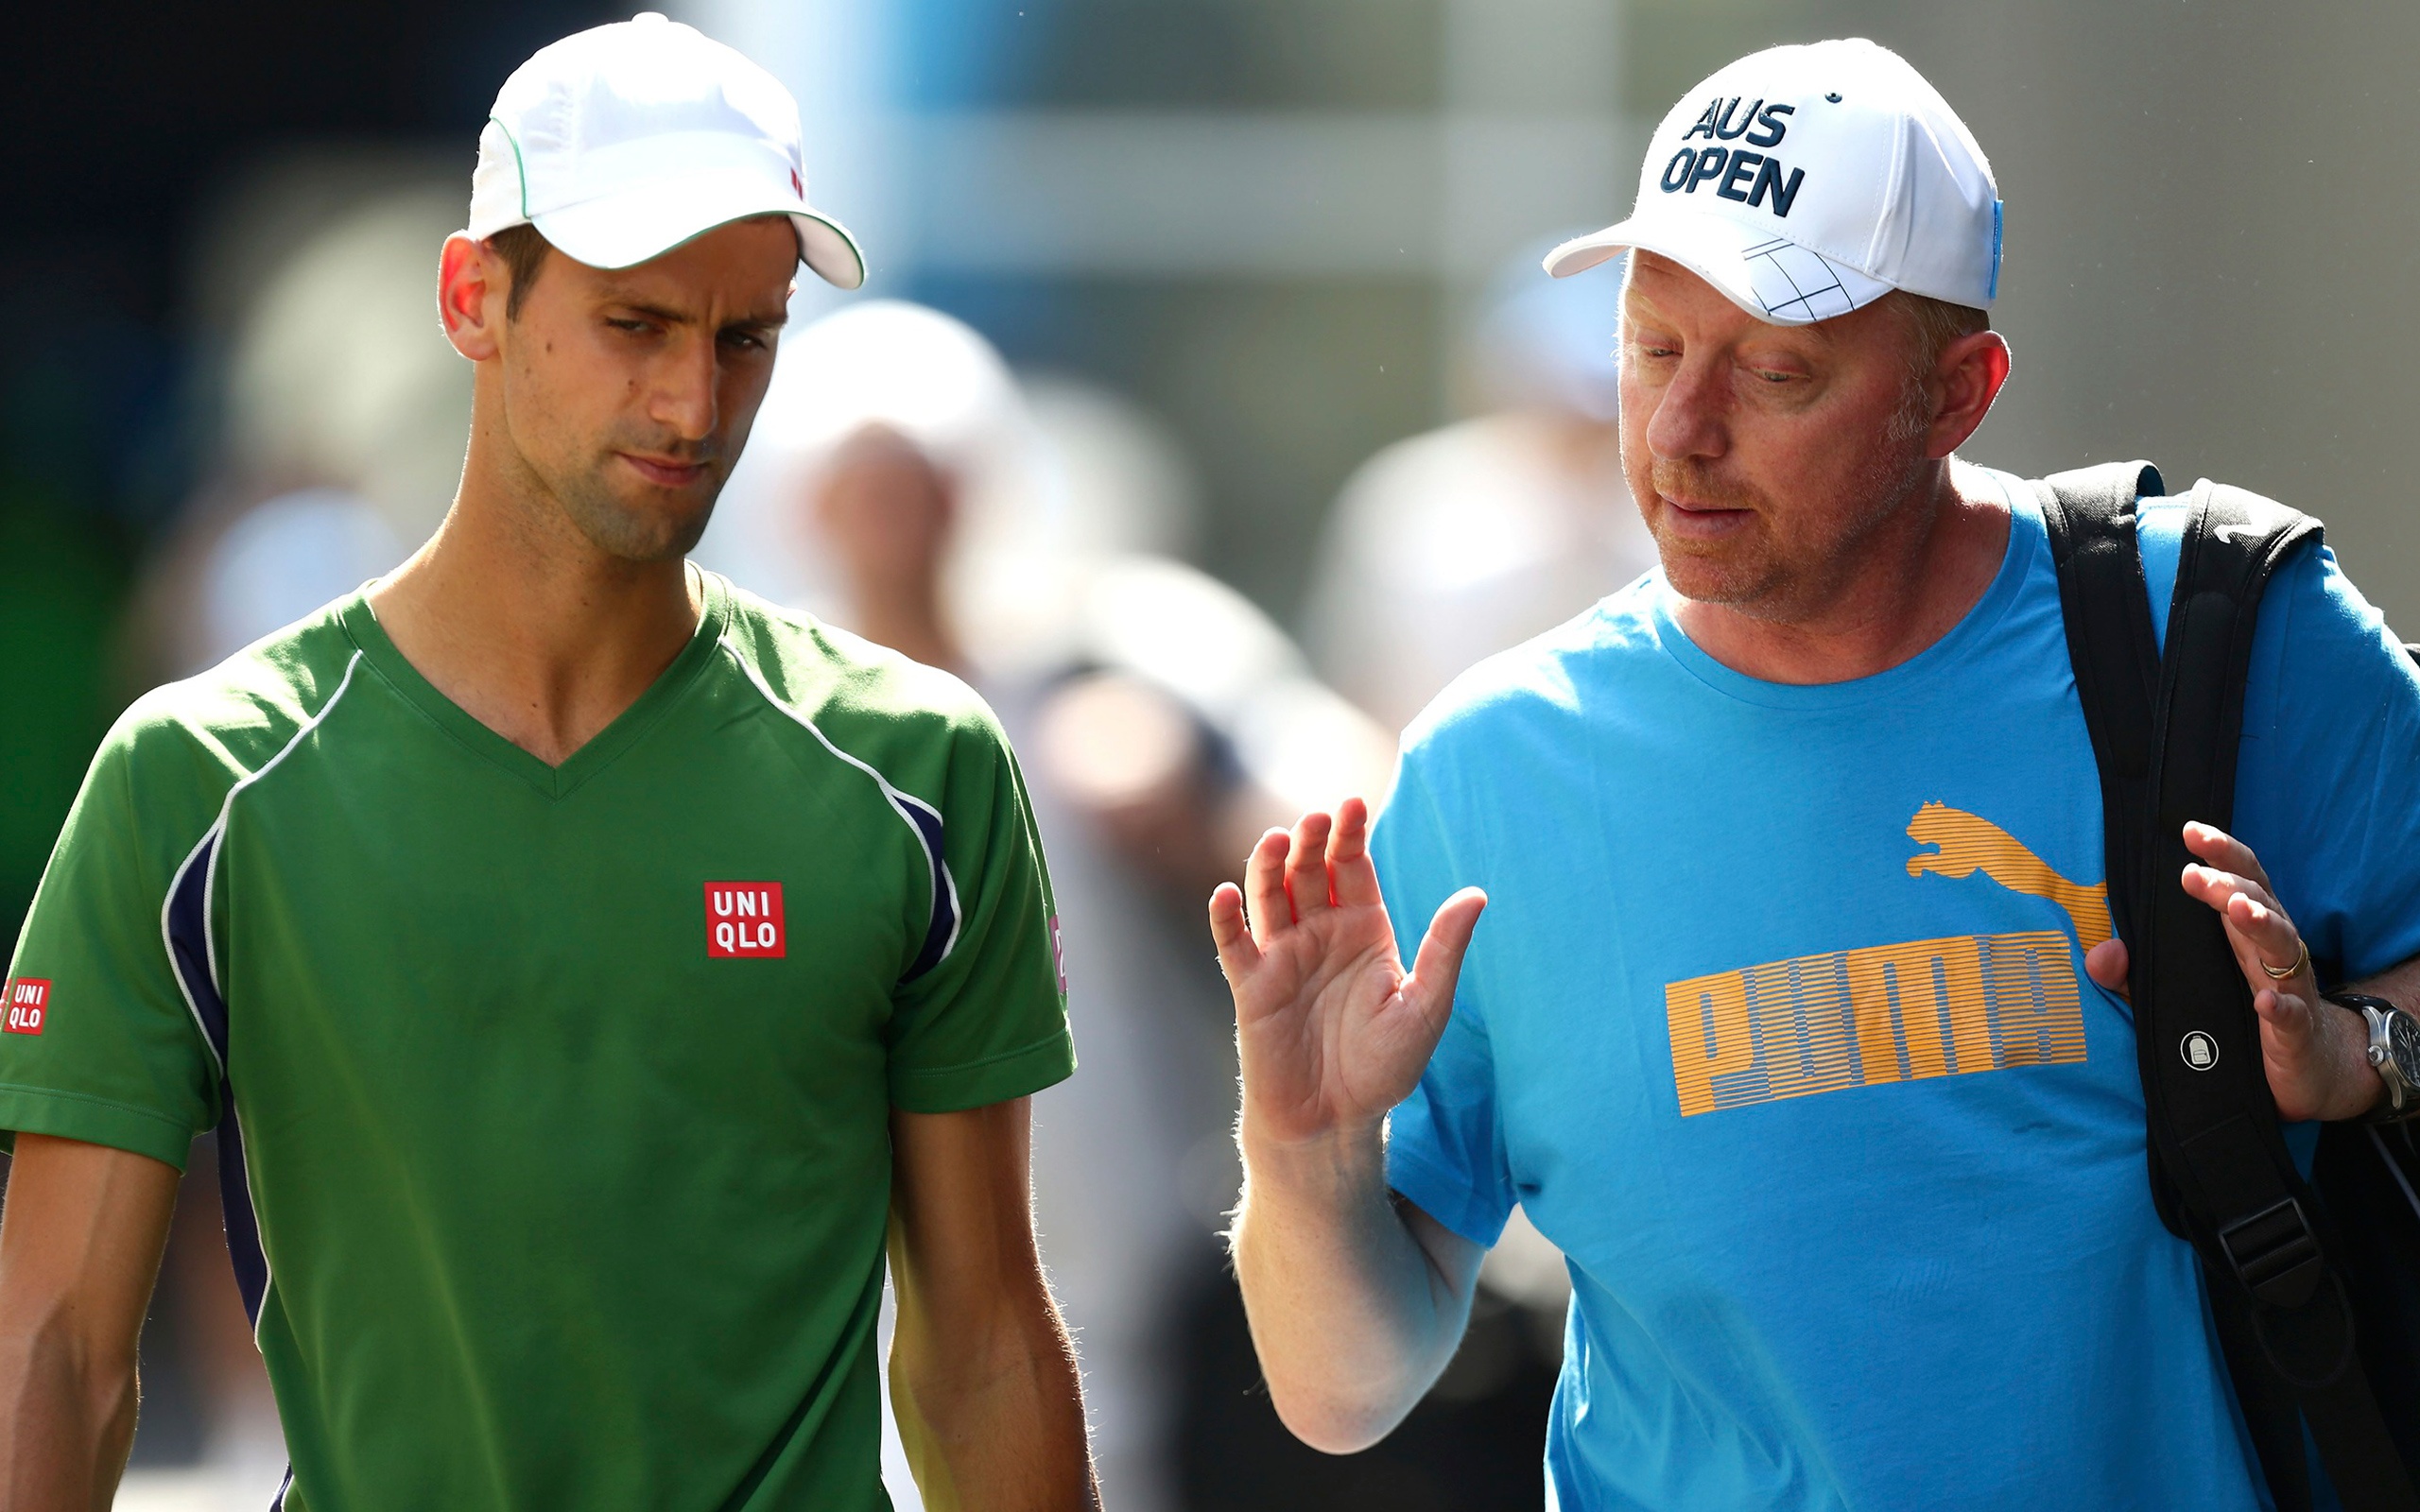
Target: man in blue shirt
point(1797, 1022)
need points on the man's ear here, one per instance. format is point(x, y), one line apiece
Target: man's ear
point(472, 285)
point(1968, 378)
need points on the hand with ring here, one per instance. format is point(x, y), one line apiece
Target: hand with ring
point(2311, 1049)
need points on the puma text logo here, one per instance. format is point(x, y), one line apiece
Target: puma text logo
point(1908, 1010)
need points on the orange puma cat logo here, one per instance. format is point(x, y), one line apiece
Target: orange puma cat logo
point(1969, 843)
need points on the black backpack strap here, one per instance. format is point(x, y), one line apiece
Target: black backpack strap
point(2090, 516)
point(2164, 732)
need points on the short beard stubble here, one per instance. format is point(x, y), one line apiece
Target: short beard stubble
point(626, 531)
point(1779, 579)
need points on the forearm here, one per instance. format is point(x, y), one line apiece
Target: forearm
point(66, 1418)
point(1351, 1313)
point(79, 1243)
point(993, 1415)
point(2398, 985)
point(982, 1376)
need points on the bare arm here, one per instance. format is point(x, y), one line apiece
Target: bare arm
point(982, 1376)
point(1356, 1298)
point(81, 1239)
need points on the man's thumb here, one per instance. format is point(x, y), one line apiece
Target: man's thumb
point(2107, 964)
point(1440, 963)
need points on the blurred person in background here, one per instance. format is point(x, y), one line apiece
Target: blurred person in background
point(1451, 546)
point(341, 436)
point(411, 890)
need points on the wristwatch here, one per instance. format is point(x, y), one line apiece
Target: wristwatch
point(2394, 1049)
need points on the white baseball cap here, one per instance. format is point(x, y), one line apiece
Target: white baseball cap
point(624, 141)
point(1806, 181)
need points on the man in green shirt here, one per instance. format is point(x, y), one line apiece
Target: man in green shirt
point(589, 968)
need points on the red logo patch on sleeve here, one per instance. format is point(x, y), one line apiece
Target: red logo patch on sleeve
point(744, 919)
point(29, 1005)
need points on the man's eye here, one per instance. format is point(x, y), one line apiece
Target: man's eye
point(634, 327)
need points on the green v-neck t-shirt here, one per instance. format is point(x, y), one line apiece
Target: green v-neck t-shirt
point(553, 1101)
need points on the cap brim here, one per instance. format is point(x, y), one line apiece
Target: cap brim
point(646, 221)
point(1771, 277)
point(825, 246)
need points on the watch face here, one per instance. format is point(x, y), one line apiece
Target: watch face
point(2403, 1040)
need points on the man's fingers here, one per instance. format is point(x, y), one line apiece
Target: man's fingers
point(2266, 928)
point(2107, 964)
point(1307, 867)
point(2271, 935)
point(2284, 1013)
point(2219, 848)
point(2215, 886)
point(1440, 964)
point(1350, 871)
point(1238, 955)
point(2286, 1027)
point(1265, 887)
point(2260, 927)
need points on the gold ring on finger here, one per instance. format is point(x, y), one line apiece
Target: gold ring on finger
point(2302, 958)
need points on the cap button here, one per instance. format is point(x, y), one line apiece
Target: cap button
point(649, 15)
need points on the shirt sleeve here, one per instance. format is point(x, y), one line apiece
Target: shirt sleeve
point(988, 1022)
point(1444, 1143)
point(100, 1043)
point(2328, 792)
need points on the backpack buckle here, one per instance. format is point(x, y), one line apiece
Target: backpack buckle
point(2274, 1254)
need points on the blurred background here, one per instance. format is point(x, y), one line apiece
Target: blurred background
point(1208, 414)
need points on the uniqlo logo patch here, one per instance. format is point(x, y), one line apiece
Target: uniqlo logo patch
point(29, 1005)
point(744, 919)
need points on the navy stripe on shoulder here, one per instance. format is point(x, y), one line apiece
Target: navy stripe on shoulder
point(186, 926)
point(244, 1248)
point(942, 931)
point(188, 915)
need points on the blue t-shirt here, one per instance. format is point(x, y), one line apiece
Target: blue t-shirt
point(1777, 1023)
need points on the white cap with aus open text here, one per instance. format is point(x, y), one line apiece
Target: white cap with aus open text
point(624, 141)
point(1806, 181)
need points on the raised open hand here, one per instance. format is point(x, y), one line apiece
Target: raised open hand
point(2310, 1048)
point(1331, 1031)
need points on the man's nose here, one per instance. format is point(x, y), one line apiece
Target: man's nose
point(1692, 414)
point(685, 399)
